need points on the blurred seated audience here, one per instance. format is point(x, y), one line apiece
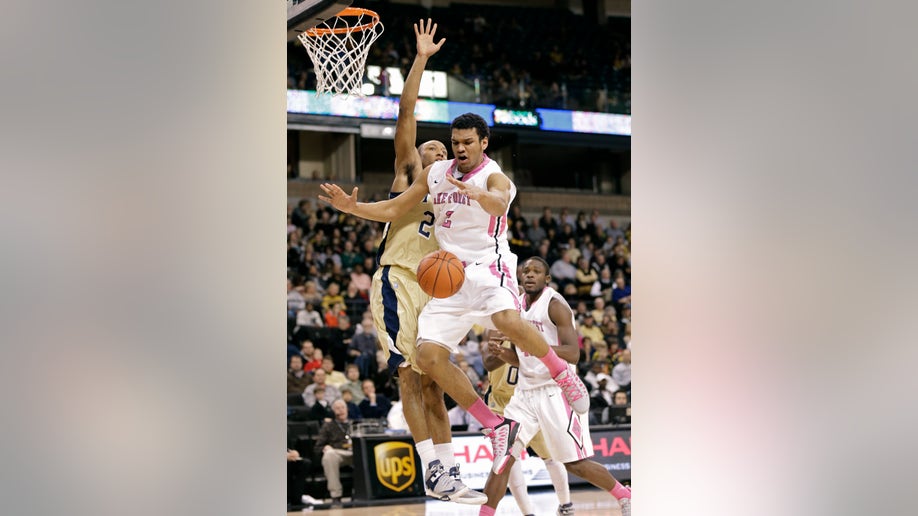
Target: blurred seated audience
point(297, 378)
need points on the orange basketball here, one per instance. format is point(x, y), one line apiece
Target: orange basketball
point(440, 274)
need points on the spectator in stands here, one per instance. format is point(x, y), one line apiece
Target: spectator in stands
point(605, 392)
point(621, 294)
point(350, 256)
point(580, 311)
point(609, 328)
point(600, 353)
point(332, 296)
point(470, 351)
point(586, 351)
point(353, 411)
point(297, 379)
point(355, 301)
point(575, 252)
point(615, 352)
point(589, 329)
point(362, 349)
point(535, 234)
point(584, 278)
point(373, 406)
point(467, 369)
point(361, 279)
point(369, 263)
point(614, 232)
point(545, 252)
point(621, 248)
point(620, 411)
point(599, 261)
point(621, 373)
point(626, 315)
point(587, 250)
point(295, 301)
point(318, 381)
point(332, 376)
point(297, 470)
point(515, 214)
point(320, 410)
point(565, 217)
point(547, 221)
point(353, 383)
point(622, 264)
point(334, 314)
point(601, 399)
point(335, 447)
point(570, 293)
point(519, 243)
point(563, 271)
point(599, 309)
point(593, 224)
point(312, 356)
point(311, 294)
point(604, 285)
point(591, 378)
point(294, 251)
point(301, 214)
point(292, 349)
point(309, 317)
point(563, 238)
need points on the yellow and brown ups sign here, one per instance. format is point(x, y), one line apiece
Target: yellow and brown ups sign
point(395, 466)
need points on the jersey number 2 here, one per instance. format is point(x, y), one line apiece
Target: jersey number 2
point(446, 222)
point(426, 222)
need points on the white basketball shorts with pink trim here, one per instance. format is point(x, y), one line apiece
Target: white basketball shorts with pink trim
point(489, 287)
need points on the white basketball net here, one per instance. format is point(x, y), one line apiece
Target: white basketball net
point(338, 48)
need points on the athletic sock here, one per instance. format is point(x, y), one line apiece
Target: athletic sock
point(559, 479)
point(486, 511)
point(445, 454)
point(427, 452)
point(483, 414)
point(554, 363)
point(517, 485)
point(620, 491)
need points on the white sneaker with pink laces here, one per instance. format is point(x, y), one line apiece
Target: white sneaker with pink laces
point(574, 391)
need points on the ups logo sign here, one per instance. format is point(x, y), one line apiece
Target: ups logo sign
point(395, 465)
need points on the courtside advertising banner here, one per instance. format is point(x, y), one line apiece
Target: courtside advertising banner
point(387, 466)
point(611, 448)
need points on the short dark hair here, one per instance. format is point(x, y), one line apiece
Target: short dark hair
point(471, 121)
point(542, 261)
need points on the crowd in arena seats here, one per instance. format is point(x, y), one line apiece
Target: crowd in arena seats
point(331, 340)
point(522, 58)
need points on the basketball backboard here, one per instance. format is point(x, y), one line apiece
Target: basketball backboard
point(306, 14)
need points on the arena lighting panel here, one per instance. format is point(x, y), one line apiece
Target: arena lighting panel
point(443, 112)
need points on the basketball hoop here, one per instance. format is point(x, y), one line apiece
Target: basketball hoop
point(338, 48)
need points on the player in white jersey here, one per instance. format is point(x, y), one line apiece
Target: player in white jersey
point(470, 195)
point(503, 380)
point(538, 404)
point(396, 298)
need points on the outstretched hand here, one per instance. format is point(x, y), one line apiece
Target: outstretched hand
point(426, 46)
point(337, 198)
point(473, 192)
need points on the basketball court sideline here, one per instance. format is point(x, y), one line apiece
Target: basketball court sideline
point(587, 502)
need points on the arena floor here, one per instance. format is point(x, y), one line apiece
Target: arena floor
point(587, 502)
